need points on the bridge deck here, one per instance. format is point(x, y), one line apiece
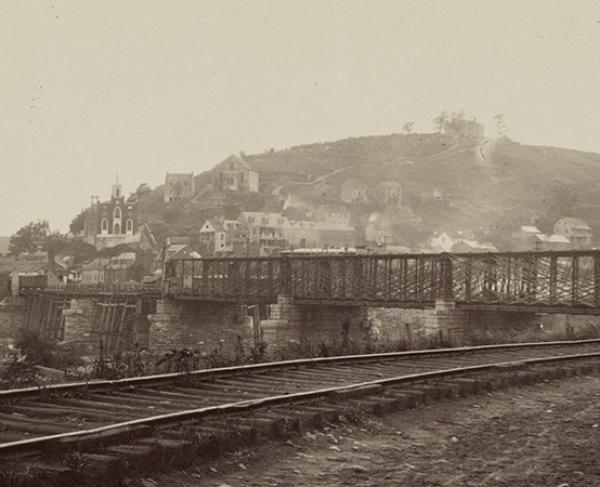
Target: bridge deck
point(549, 282)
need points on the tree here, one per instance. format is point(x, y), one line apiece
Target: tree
point(500, 125)
point(143, 189)
point(78, 222)
point(30, 238)
point(459, 115)
point(408, 127)
point(441, 121)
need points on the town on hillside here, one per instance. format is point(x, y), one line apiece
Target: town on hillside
point(246, 208)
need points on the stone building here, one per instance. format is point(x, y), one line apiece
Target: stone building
point(112, 222)
point(179, 186)
point(235, 174)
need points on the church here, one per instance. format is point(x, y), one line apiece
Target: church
point(112, 222)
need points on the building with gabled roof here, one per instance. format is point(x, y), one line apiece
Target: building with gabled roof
point(113, 222)
point(93, 272)
point(219, 236)
point(178, 186)
point(576, 230)
point(235, 174)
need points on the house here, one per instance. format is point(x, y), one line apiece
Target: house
point(178, 186)
point(559, 242)
point(442, 242)
point(220, 236)
point(379, 229)
point(93, 271)
point(332, 213)
point(14, 271)
point(112, 222)
point(235, 174)
point(389, 193)
point(353, 191)
point(445, 242)
point(122, 269)
point(576, 230)
point(315, 234)
point(174, 251)
point(268, 229)
point(468, 245)
point(529, 237)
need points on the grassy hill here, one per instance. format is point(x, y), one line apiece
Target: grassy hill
point(488, 188)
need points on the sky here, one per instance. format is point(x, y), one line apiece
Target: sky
point(89, 90)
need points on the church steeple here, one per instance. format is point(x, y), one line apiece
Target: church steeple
point(116, 189)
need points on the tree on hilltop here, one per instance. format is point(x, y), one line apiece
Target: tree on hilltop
point(408, 127)
point(441, 121)
point(500, 125)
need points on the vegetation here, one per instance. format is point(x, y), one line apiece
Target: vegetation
point(77, 224)
point(35, 237)
point(34, 351)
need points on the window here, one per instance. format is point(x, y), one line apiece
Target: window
point(104, 225)
point(280, 221)
point(117, 213)
point(242, 177)
point(130, 226)
point(264, 220)
point(117, 228)
point(250, 219)
point(231, 166)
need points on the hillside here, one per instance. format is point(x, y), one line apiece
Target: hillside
point(487, 188)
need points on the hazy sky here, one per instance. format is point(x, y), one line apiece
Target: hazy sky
point(92, 88)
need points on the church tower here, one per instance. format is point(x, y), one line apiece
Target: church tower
point(117, 190)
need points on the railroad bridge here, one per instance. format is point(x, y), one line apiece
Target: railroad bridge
point(298, 297)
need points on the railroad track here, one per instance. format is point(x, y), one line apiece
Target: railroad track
point(81, 416)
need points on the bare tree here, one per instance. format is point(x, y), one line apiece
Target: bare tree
point(408, 127)
point(500, 125)
point(441, 121)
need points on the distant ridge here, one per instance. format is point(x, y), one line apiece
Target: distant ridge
point(487, 187)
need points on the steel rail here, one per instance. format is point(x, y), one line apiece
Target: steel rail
point(96, 385)
point(39, 443)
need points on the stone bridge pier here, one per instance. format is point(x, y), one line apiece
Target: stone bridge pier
point(200, 325)
point(292, 326)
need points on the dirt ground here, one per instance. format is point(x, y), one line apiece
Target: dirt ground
point(541, 435)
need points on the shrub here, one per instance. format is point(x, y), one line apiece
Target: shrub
point(39, 350)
